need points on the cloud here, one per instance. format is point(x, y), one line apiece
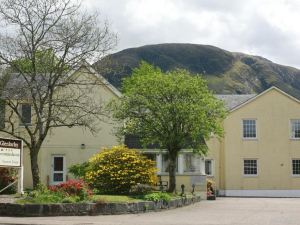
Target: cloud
point(268, 28)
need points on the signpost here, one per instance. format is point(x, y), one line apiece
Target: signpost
point(11, 155)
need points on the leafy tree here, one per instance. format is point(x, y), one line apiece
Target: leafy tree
point(173, 109)
point(41, 43)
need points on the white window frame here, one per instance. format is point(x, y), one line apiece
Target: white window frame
point(292, 169)
point(52, 182)
point(212, 167)
point(21, 124)
point(243, 167)
point(160, 164)
point(291, 129)
point(249, 138)
point(181, 163)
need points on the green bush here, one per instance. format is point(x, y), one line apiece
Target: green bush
point(158, 196)
point(79, 170)
point(118, 169)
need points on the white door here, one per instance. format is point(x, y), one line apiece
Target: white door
point(58, 169)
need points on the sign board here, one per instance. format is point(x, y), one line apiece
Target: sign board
point(10, 152)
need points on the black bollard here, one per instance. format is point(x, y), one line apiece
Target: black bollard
point(182, 189)
point(193, 190)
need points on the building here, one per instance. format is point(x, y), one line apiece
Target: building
point(65, 146)
point(259, 154)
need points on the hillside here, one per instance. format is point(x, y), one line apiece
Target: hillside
point(226, 72)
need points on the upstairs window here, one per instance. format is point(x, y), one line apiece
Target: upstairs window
point(295, 125)
point(25, 111)
point(249, 128)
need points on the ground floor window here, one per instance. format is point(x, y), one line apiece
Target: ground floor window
point(165, 163)
point(151, 156)
point(296, 166)
point(250, 167)
point(58, 169)
point(191, 163)
point(209, 167)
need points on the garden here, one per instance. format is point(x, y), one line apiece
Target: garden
point(118, 175)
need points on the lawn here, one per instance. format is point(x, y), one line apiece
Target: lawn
point(116, 198)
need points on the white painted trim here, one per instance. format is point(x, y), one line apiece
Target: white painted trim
point(52, 182)
point(261, 193)
point(262, 93)
point(242, 129)
point(99, 76)
point(243, 168)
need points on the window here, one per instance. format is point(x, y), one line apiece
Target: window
point(58, 166)
point(208, 167)
point(295, 128)
point(249, 129)
point(25, 114)
point(250, 167)
point(165, 163)
point(151, 156)
point(296, 166)
point(191, 163)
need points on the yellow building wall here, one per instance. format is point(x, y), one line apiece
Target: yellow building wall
point(274, 149)
point(67, 141)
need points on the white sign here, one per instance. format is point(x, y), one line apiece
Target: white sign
point(10, 153)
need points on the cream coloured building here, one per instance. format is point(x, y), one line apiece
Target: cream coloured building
point(65, 146)
point(259, 154)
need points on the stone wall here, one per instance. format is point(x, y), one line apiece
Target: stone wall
point(83, 209)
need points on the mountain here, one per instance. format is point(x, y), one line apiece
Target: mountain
point(226, 72)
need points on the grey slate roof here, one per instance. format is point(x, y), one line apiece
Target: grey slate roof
point(232, 101)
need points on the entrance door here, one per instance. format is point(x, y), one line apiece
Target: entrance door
point(58, 169)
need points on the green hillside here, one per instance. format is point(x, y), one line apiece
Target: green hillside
point(226, 72)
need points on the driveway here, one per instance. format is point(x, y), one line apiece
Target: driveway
point(225, 211)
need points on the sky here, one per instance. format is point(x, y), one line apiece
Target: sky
point(268, 28)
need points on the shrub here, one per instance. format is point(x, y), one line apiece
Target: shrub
point(79, 170)
point(42, 195)
point(7, 176)
point(158, 196)
point(72, 188)
point(118, 169)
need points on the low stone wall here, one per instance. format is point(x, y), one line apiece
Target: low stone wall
point(83, 209)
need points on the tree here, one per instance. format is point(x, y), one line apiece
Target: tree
point(173, 109)
point(41, 43)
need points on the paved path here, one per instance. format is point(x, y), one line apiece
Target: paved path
point(224, 211)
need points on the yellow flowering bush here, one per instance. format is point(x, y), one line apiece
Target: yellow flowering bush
point(118, 169)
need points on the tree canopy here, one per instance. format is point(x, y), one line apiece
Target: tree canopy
point(174, 109)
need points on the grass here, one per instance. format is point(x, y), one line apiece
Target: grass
point(116, 198)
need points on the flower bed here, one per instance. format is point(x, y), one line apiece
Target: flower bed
point(81, 209)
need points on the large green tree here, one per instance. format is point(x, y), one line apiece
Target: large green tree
point(173, 109)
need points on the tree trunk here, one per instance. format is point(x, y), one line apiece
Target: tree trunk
point(172, 172)
point(34, 168)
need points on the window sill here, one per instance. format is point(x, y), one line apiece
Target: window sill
point(295, 139)
point(250, 176)
point(250, 139)
point(22, 125)
point(181, 174)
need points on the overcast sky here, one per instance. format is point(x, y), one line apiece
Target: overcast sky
point(269, 28)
